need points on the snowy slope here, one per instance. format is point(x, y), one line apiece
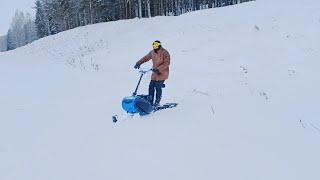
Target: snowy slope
point(245, 78)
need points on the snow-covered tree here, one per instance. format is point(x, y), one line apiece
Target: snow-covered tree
point(41, 20)
point(53, 16)
point(22, 31)
point(30, 30)
point(3, 43)
point(16, 35)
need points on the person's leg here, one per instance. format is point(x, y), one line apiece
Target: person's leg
point(158, 87)
point(151, 91)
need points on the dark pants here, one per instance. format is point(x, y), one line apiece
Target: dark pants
point(155, 86)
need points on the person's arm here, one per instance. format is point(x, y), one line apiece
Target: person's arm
point(146, 58)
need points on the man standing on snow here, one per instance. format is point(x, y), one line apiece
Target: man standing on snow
point(161, 61)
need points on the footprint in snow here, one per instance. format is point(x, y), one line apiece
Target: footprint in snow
point(265, 95)
point(188, 50)
point(244, 69)
point(292, 72)
point(257, 28)
point(309, 125)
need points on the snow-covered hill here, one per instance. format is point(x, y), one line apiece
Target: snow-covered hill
point(245, 77)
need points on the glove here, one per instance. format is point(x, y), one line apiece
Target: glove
point(137, 66)
point(156, 71)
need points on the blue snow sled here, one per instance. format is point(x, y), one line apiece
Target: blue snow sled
point(137, 104)
point(140, 103)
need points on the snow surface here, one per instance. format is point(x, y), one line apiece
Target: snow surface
point(246, 79)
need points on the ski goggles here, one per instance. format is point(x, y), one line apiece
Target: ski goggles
point(156, 45)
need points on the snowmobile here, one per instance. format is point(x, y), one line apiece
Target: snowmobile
point(140, 104)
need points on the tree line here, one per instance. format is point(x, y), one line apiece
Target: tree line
point(54, 16)
point(22, 31)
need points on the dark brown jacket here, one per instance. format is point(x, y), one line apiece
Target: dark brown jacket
point(160, 61)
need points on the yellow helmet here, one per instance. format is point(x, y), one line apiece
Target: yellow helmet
point(156, 45)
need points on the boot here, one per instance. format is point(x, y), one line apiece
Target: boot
point(157, 102)
point(150, 99)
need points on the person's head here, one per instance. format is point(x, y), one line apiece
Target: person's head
point(156, 45)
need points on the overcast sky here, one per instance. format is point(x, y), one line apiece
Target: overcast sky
point(7, 10)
